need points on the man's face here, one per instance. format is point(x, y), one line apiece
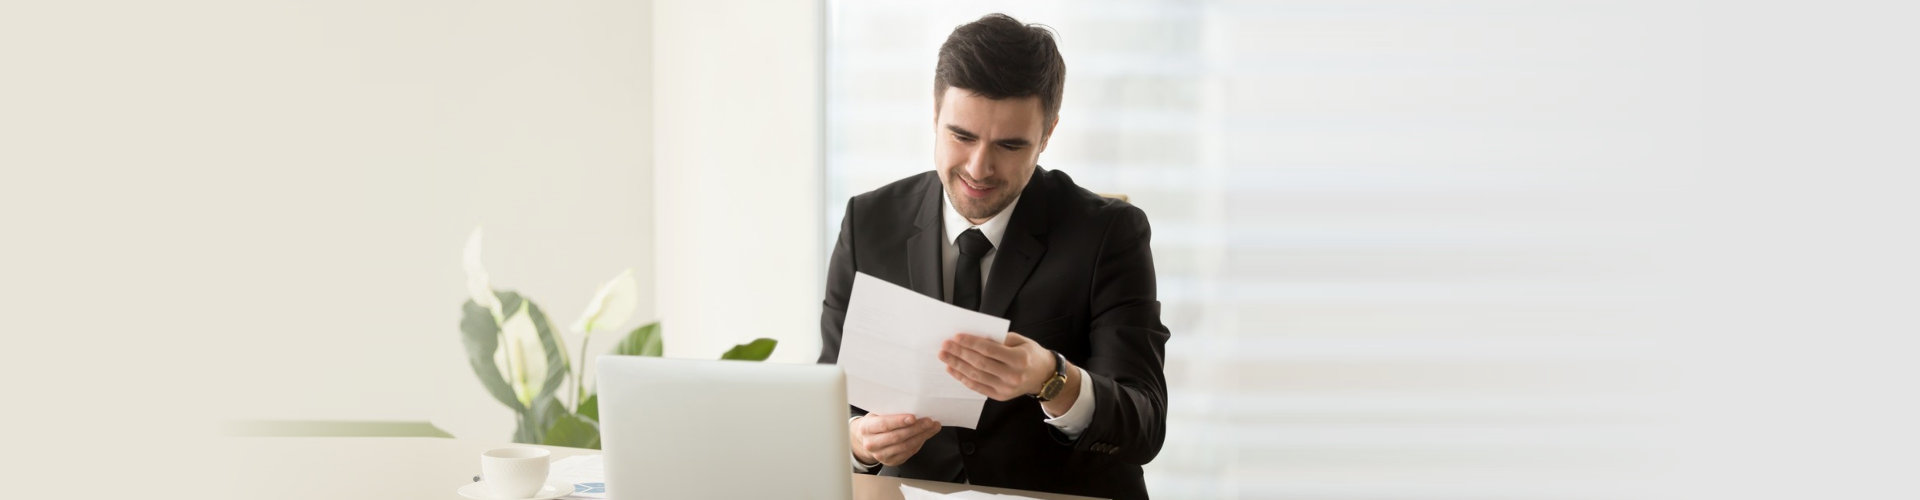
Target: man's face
point(986, 149)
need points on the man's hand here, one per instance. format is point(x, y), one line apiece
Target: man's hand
point(998, 371)
point(889, 439)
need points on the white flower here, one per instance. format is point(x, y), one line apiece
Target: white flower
point(611, 306)
point(526, 358)
point(479, 288)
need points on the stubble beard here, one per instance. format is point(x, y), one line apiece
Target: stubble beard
point(977, 209)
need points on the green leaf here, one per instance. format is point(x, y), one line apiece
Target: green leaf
point(532, 424)
point(549, 410)
point(757, 350)
point(481, 334)
point(573, 431)
point(591, 407)
point(524, 430)
point(642, 341)
point(557, 369)
point(509, 301)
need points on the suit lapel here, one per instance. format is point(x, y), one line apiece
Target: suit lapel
point(923, 248)
point(1021, 248)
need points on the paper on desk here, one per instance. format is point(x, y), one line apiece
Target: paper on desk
point(912, 493)
point(890, 348)
point(586, 472)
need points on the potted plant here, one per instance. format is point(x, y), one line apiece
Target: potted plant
point(511, 345)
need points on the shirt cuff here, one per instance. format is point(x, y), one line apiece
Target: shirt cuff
point(857, 466)
point(1077, 418)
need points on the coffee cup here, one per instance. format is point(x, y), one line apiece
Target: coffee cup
point(514, 473)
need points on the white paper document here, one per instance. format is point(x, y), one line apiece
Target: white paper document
point(912, 493)
point(586, 472)
point(890, 348)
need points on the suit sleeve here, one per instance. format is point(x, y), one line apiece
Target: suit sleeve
point(1128, 347)
point(833, 310)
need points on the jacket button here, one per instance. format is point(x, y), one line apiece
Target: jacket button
point(966, 448)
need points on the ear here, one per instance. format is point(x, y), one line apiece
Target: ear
point(937, 96)
point(1047, 136)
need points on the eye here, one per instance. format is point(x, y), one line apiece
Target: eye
point(1009, 147)
point(962, 138)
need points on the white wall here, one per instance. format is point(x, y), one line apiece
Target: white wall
point(737, 114)
point(223, 211)
point(258, 209)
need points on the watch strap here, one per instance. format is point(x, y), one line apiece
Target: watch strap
point(1053, 385)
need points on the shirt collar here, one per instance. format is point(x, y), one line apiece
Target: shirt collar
point(994, 228)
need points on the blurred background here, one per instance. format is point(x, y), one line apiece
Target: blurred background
point(1436, 250)
point(1389, 235)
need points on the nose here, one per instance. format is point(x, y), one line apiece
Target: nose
point(978, 168)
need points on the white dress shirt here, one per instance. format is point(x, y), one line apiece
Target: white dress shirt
point(1076, 419)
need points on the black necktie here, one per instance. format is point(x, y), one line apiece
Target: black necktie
point(966, 272)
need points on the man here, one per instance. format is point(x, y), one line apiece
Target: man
point(1077, 397)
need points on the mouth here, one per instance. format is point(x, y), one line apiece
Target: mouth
point(974, 190)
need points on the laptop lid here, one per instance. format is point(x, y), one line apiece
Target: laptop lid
point(678, 428)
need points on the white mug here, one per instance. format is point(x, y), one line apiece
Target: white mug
point(513, 473)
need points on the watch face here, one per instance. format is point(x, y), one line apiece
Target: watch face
point(1059, 380)
point(1051, 388)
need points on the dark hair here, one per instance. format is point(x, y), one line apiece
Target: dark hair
point(998, 57)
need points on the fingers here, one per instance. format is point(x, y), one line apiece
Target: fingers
point(868, 431)
point(908, 437)
point(983, 354)
point(996, 391)
point(994, 370)
point(997, 387)
point(985, 345)
point(896, 446)
point(995, 383)
point(972, 365)
point(883, 430)
point(910, 446)
point(876, 423)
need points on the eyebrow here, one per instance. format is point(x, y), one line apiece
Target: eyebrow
point(1015, 142)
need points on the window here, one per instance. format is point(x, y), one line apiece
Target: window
point(1373, 226)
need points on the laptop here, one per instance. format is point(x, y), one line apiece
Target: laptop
point(680, 428)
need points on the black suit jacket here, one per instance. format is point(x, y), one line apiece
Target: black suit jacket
point(1073, 272)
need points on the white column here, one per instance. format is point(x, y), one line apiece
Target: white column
point(738, 125)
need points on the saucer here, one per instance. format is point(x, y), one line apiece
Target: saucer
point(552, 490)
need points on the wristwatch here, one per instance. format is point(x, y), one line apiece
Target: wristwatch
point(1051, 388)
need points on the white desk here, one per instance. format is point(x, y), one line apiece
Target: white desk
point(428, 468)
